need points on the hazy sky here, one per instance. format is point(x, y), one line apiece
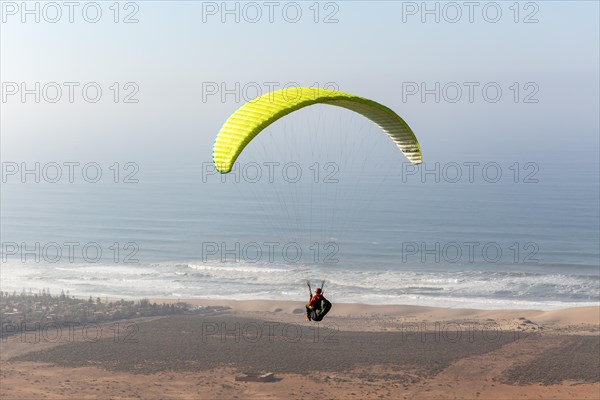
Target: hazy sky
point(179, 54)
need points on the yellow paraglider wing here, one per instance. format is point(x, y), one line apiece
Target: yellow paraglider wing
point(250, 119)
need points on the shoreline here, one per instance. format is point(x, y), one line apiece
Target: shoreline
point(399, 318)
point(586, 314)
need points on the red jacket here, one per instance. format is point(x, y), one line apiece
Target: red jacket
point(316, 299)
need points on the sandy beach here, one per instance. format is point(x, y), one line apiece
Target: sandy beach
point(359, 351)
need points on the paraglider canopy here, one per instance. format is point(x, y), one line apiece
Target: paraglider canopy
point(253, 117)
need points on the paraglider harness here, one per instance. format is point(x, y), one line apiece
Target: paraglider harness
point(318, 312)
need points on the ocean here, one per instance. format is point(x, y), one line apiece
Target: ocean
point(478, 233)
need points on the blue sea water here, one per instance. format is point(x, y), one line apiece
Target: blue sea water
point(374, 229)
